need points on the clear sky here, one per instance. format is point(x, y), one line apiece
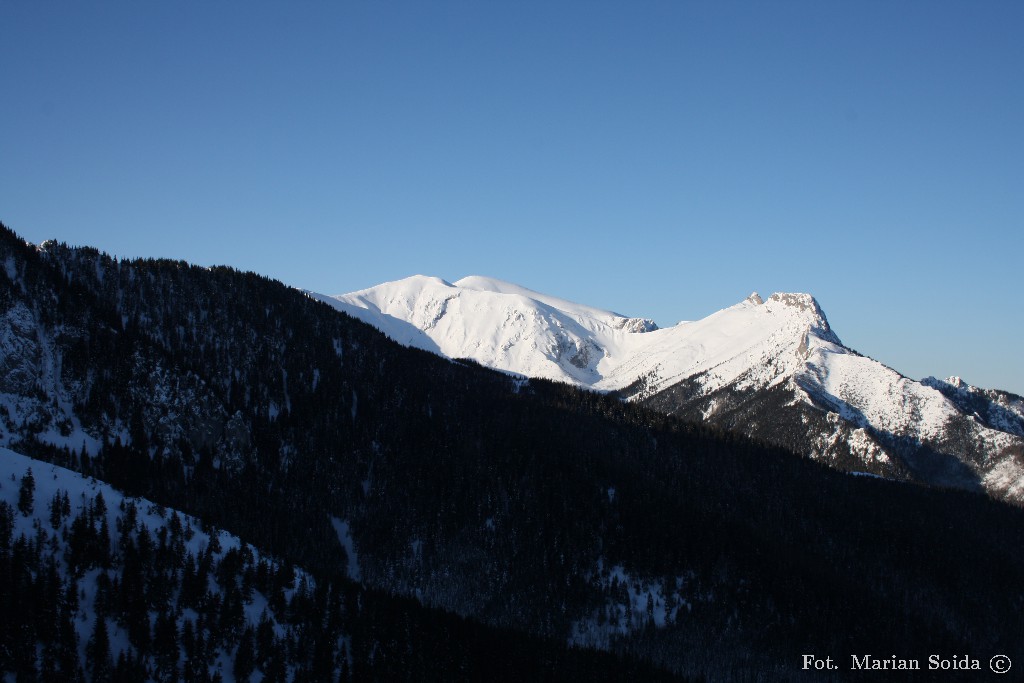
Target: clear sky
point(660, 159)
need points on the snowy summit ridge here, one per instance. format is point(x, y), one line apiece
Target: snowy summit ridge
point(725, 368)
point(518, 330)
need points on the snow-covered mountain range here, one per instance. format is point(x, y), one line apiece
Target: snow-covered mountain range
point(771, 368)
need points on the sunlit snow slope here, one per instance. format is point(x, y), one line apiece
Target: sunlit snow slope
point(774, 369)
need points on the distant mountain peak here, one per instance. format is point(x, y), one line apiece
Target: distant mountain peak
point(805, 306)
point(755, 299)
point(797, 300)
point(420, 280)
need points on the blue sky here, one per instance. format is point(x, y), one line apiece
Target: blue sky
point(659, 159)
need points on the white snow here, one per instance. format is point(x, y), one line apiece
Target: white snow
point(341, 527)
point(1007, 478)
point(520, 331)
point(515, 329)
point(11, 269)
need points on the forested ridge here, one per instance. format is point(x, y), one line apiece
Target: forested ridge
point(557, 515)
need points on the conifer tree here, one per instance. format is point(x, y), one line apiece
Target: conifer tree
point(245, 656)
point(165, 644)
point(56, 510)
point(97, 652)
point(26, 493)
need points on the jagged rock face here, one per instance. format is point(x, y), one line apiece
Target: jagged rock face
point(995, 409)
point(777, 416)
point(20, 356)
point(636, 325)
point(771, 368)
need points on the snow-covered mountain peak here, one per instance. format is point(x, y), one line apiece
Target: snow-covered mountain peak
point(499, 324)
point(804, 303)
point(407, 284)
point(803, 307)
point(482, 283)
point(479, 283)
point(789, 304)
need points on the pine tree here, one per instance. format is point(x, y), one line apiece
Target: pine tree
point(97, 652)
point(99, 505)
point(265, 645)
point(165, 644)
point(245, 656)
point(6, 526)
point(26, 494)
point(56, 510)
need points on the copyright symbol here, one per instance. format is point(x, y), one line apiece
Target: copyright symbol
point(1000, 664)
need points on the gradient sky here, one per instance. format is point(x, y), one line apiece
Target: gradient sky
point(660, 159)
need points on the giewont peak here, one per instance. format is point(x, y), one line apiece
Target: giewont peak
point(801, 302)
point(805, 306)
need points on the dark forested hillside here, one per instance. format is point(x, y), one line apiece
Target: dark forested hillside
point(96, 586)
point(531, 507)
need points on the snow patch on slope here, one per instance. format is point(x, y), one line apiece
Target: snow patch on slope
point(341, 527)
point(633, 604)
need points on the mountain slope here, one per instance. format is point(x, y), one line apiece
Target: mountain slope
point(102, 586)
point(549, 513)
point(772, 369)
